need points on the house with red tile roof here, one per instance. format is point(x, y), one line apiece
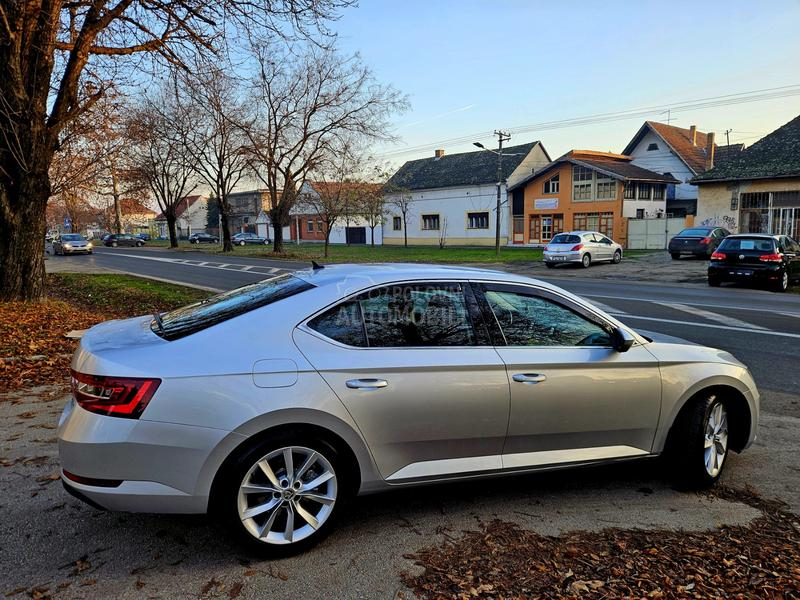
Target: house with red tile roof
point(191, 216)
point(680, 153)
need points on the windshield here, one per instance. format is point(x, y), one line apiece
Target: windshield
point(694, 233)
point(72, 237)
point(216, 309)
point(564, 238)
point(764, 245)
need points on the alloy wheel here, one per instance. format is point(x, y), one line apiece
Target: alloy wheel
point(785, 281)
point(586, 260)
point(287, 495)
point(716, 439)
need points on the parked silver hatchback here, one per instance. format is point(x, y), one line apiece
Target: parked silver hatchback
point(351, 379)
point(581, 247)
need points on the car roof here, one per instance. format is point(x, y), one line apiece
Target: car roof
point(754, 235)
point(360, 276)
point(578, 232)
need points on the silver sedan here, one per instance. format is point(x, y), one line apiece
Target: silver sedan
point(583, 248)
point(346, 380)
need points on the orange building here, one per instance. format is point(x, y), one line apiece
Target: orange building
point(586, 190)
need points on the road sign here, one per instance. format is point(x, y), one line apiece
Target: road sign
point(67, 224)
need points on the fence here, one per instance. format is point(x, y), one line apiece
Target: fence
point(653, 234)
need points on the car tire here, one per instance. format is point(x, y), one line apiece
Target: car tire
point(586, 260)
point(617, 257)
point(675, 256)
point(231, 502)
point(139, 244)
point(704, 421)
point(114, 244)
point(550, 265)
point(241, 243)
point(783, 284)
point(266, 242)
point(713, 282)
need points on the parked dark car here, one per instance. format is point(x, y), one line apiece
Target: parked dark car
point(123, 239)
point(772, 260)
point(697, 241)
point(143, 236)
point(203, 238)
point(240, 239)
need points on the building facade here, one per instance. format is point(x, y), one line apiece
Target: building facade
point(587, 190)
point(452, 199)
point(758, 191)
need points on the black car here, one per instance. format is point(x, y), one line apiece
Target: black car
point(240, 239)
point(123, 239)
point(697, 241)
point(772, 260)
point(203, 238)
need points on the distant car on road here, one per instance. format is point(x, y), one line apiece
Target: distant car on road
point(375, 379)
point(240, 239)
point(143, 236)
point(203, 238)
point(123, 239)
point(697, 241)
point(70, 243)
point(772, 260)
point(581, 247)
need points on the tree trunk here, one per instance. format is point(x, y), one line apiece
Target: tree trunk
point(372, 235)
point(277, 245)
point(327, 241)
point(225, 234)
point(405, 231)
point(22, 230)
point(173, 230)
point(117, 204)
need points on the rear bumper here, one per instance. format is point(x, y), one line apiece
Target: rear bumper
point(163, 467)
point(759, 273)
point(563, 257)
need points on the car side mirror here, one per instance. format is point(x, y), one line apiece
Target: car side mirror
point(622, 340)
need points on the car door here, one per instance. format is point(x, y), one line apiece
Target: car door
point(792, 254)
point(419, 376)
point(574, 398)
point(605, 245)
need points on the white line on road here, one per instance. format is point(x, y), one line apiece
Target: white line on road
point(703, 304)
point(711, 316)
point(606, 307)
point(711, 325)
point(206, 265)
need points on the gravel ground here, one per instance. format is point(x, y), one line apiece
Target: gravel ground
point(53, 544)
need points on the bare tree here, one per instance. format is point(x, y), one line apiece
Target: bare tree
point(159, 131)
point(58, 58)
point(306, 104)
point(219, 145)
point(402, 200)
point(371, 199)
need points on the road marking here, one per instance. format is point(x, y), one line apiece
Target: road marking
point(255, 269)
point(710, 325)
point(703, 304)
point(606, 307)
point(711, 316)
point(173, 281)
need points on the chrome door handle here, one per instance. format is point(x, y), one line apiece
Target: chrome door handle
point(366, 384)
point(529, 378)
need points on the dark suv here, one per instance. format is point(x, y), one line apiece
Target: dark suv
point(697, 241)
point(772, 260)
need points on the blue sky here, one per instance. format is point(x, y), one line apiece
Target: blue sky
point(471, 66)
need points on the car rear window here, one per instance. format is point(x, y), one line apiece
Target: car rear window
point(763, 245)
point(190, 319)
point(694, 233)
point(563, 238)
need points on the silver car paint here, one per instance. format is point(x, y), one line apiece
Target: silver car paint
point(559, 253)
point(222, 385)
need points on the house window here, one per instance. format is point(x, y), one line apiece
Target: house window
point(478, 220)
point(629, 193)
point(581, 183)
point(319, 224)
point(652, 147)
point(430, 222)
point(397, 224)
point(606, 189)
point(735, 201)
point(310, 226)
point(580, 173)
point(551, 186)
point(658, 192)
point(644, 191)
point(602, 222)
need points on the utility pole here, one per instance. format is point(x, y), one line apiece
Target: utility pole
point(728, 136)
point(502, 136)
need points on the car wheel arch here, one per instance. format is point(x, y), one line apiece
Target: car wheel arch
point(736, 403)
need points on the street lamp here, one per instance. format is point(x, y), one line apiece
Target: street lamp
point(501, 137)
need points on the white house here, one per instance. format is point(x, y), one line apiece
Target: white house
point(453, 198)
point(681, 153)
point(191, 216)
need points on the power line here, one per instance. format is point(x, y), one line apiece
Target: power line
point(700, 103)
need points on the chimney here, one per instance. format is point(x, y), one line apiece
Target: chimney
point(693, 134)
point(439, 153)
point(709, 151)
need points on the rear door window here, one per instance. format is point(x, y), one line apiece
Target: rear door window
point(190, 319)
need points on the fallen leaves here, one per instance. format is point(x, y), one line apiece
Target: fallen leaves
point(501, 560)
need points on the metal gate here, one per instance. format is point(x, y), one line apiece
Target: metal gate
point(653, 234)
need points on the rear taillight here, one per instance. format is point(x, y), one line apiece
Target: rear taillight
point(576, 247)
point(705, 240)
point(771, 258)
point(718, 256)
point(114, 396)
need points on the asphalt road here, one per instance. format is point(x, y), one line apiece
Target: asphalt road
point(760, 328)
